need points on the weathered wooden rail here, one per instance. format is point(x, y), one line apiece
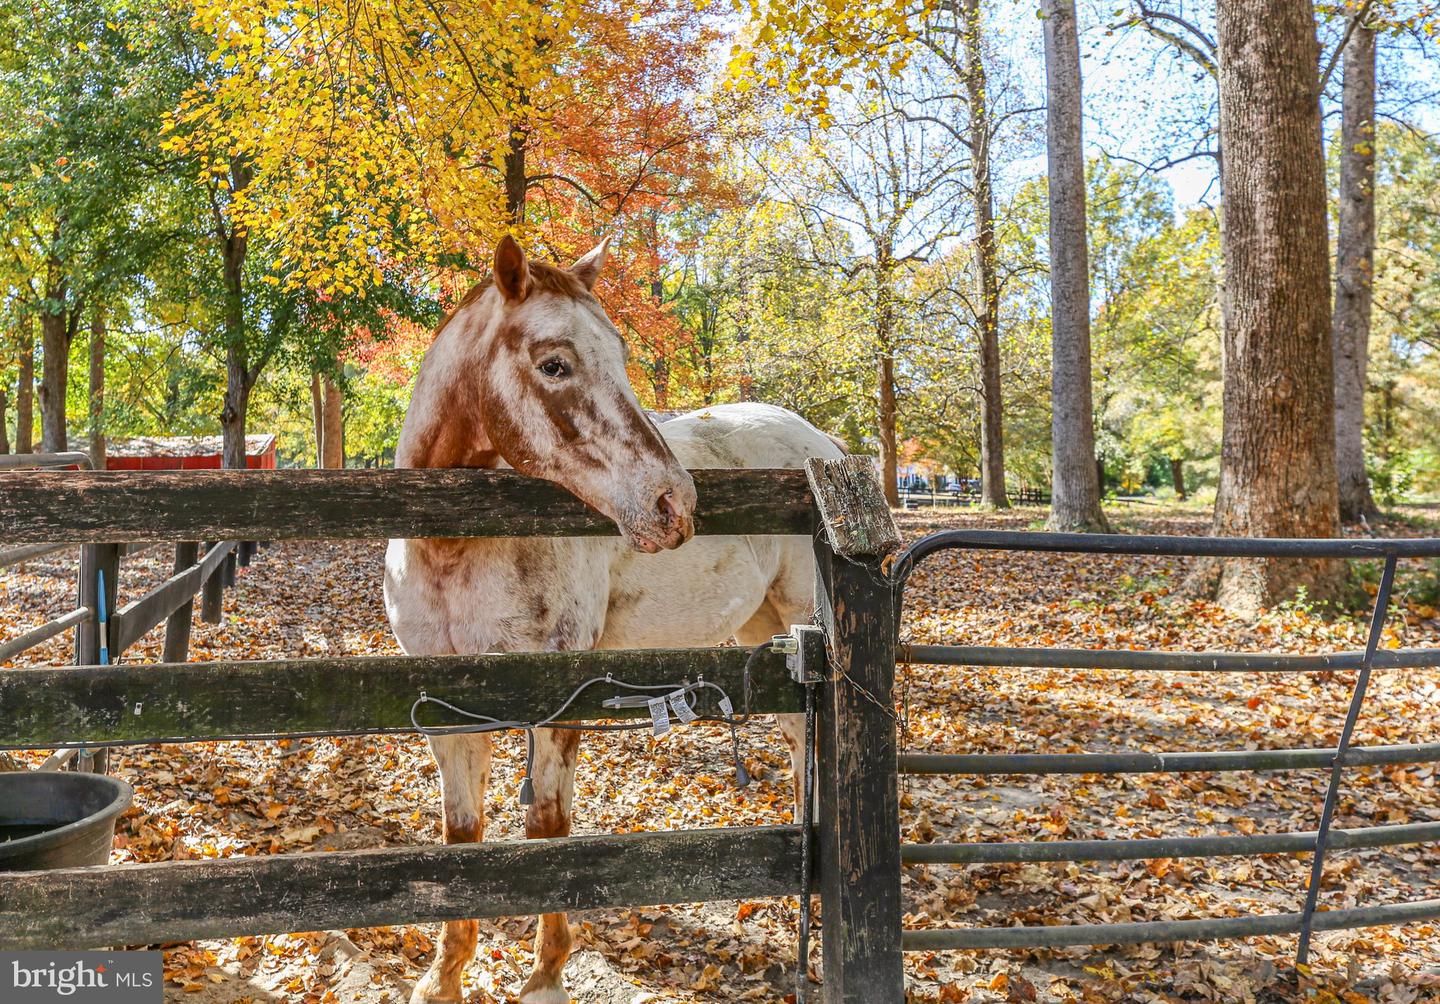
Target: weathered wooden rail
point(856, 839)
point(118, 705)
point(111, 506)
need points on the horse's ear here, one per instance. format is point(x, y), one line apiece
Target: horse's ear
point(587, 269)
point(512, 272)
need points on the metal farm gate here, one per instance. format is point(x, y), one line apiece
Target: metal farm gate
point(1332, 759)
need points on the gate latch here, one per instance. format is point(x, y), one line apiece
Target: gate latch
point(804, 649)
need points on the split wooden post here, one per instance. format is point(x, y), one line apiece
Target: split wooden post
point(177, 625)
point(94, 559)
point(212, 609)
point(859, 829)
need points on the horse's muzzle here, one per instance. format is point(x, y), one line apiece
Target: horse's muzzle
point(670, 521)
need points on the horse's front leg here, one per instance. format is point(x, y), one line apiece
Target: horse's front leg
point(553, 779)
point(464, 762)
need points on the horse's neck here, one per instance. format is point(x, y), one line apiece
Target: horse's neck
point(442, 425)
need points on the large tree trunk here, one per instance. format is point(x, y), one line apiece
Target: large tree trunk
point(992, 433)
point(1277, 467)
point(97, 387)
point(1075, 491)
point(55, 335)
point(333, 456)
point(232, 417)
point(25, 388)
point(1354, 269)
point(887, 409)
point(54, 375)
point(889, 452)
point(240, 377)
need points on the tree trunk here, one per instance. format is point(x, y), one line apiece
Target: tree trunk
point(4, 421)
point(240, 377)
point(516, 181)
point(1354, 268)
point(97, 387)
point(887, 410)
point(992, 433)
point(1177, 477)
point(661, 370)
point(233, 415)
point(54, 375)
point(1075, 491)
point(55, 363)
point(889, 453)
point(317, 415)
point(1277, 465)
point(334, 421)
point(25, 389)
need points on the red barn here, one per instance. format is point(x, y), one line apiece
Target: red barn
point(184, 453)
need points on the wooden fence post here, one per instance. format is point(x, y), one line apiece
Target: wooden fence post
point(212, 608)
point(94, 559)
point(177, 625)
point(859, 829)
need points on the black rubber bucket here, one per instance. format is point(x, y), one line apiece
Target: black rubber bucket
point(50, 819)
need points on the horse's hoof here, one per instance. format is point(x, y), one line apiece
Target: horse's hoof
point(419, 996)
point(429, 991)
point(544, 992)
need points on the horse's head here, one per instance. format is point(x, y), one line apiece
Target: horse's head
point(558, 402)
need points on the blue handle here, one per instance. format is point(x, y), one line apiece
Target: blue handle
point(103, 618)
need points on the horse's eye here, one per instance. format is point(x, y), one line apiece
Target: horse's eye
point(555, 368)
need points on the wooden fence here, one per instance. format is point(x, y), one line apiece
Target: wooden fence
point(856, 840)
point(171, 602)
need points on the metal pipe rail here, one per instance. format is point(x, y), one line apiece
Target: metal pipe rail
point(1164, 847)
point(42, 461)
point(29, 552)
point(1202, 929)
point(1160, 546)
point(14, 646)
point(1335, 760)
point(1170, 662)
point(1161, 763)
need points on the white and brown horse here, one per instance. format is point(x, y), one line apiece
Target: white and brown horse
point(529, 372)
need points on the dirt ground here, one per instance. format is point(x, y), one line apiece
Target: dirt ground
point(217, 799)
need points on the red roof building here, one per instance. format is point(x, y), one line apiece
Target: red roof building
point(184, 453)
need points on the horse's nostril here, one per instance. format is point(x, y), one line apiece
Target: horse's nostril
point(669, 514)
